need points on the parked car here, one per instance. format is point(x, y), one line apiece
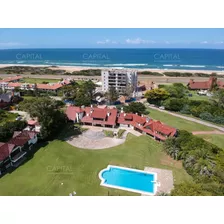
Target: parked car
point(19, 118)
point(162, 108)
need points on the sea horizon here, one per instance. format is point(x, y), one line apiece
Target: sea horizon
point(132, 58)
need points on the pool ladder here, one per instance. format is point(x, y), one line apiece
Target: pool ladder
point(156, 182)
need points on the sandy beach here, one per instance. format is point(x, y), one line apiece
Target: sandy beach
point(79, 68)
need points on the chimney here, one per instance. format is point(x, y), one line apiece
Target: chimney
point(142, 115)
point(91, 106)
point(136, 113)
point(122, 110)
point(108, 114)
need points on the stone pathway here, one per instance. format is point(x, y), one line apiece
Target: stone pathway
point(164, 177)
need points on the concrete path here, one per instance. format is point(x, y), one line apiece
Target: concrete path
point(190, 119)
point(130, 130)
point(24, 114)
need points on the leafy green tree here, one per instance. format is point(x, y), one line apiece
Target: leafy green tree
point(174, 104)
point(135, 107)
point(48, 112)
point(155, 96)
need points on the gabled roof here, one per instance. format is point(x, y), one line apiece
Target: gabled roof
point(71, 112)
point(49, 86)
point(99, 113)
point(5, 150)
point(10, 79)
point(220, 84)
point(20, 139)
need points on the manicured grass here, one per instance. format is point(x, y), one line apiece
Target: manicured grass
point(195, 96)
point(39, 80)
point(177, 122)
point(78, 169)
point(214, 139)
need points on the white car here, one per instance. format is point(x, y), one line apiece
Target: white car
point(162, 108)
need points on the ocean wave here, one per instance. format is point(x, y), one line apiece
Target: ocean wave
point(219, 66)
point(125, 64)
point(168, 65)
point(193, 66)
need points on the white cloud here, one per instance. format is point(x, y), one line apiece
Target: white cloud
point(107, 41)
point(204, 42)
point(139, 41)
point(219, 42)
point(10, 44)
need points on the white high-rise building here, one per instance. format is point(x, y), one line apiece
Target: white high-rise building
point(120, 79)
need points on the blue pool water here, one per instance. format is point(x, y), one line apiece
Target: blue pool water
point(132, 180)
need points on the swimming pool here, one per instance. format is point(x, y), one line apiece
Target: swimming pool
point(128, 179)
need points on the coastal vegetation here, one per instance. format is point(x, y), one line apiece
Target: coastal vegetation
point(50, 70)
point(202, 160)
point(175, 98)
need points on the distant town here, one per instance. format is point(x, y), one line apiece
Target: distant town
point(92, 123)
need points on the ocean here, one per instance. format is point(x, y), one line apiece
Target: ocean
point(186, 59)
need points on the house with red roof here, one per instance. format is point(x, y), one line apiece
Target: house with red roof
point(14, 151)
point(109, 117)
point(205, 85)
point(105, 117)
point(145, 125)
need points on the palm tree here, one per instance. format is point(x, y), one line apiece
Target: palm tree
point(112, 94)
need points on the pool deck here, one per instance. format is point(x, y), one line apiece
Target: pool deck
point(164, 177)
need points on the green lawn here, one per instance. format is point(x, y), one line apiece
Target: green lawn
point(214, 139)
point(5, 117)
point(78, 169)
point(39, 80)
point(195, 96)
point(177, 122)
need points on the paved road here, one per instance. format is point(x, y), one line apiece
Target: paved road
point(190, 119)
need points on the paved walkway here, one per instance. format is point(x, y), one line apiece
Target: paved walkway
point(130, 130)
point(94, 138)
point(164, 178)
point(190, 119)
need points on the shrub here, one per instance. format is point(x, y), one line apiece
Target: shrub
point(108, 133)
point(120, 133)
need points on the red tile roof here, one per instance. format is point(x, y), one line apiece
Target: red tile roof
point(10, 79)
point(154, 128)
point(49, 86)
point(206, 84)
point(220, 84)
point(20, 139)
point(5, 150)
point(14, 84)
point(98, 113)
point(71, 112)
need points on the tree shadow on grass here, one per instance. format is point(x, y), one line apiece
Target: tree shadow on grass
point(69, 132)
point(29, 155)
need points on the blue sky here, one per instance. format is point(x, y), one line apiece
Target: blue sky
point(111, 38)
